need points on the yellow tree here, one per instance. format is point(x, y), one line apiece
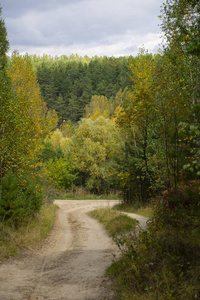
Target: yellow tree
point(94, 145)
point(31, 117)
point(140, 113)
point(137, 116)
point(98, 106)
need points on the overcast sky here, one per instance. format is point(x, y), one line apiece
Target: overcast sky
point(85, 27)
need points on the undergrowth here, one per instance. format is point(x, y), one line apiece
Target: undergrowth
point(145, 211)
point(13, 240)
point(115, 222)
point(80, 193)
point(163, 262)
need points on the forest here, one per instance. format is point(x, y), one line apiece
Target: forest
point(128, 126)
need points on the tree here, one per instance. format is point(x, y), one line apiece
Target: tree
point(30, 119)
point(137, 118)
point(61, 173)
point(94, 146)
point(181, 23)
point(6, 114)
point(98, 106)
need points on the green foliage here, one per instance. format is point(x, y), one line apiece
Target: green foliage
point(115, 222)
point(163, 261)
point(94, 145)
point(137, 119)
point(49, 152)
point(4, 41)
point(98, 106)
point(68, 83)
point(18, 201)
point(181, 23)
point(6, 115)
point(61, 173)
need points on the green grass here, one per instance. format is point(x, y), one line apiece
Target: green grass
point(13, 241)
point(146, 211)
point(71, 196)
point(115, 222)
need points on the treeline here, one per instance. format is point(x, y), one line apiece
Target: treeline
point(141, 141)
point(68, 83)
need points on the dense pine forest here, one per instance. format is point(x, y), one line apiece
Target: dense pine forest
point(127, 125)
point(68, 83)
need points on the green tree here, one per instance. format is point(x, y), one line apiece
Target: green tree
point(19, 202)
point(94, 146)
point(137, 118)
point(181, 23)
point(181, 81)
point(7, 122)
point(61, 173)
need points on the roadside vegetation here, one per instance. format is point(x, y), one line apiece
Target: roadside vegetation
point(28, 235)
point(115, 222)
point(145, 211)
point(163, 261)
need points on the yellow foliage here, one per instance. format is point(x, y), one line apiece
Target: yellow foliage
point(29, 119)
point(98, 106)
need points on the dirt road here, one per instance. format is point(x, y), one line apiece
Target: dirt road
point(71, 263)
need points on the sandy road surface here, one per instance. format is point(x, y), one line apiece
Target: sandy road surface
point(71, 263)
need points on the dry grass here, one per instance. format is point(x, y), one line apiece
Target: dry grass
point(114, 221)
point(13, 241)
point(146, 211)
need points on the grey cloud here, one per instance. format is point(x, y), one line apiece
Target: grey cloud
point(56, 23)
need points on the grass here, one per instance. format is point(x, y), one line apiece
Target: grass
point(146, 211)
point(71, 196)
point(80, 193)
point(115, 222)
point(13, 241)
point(161, 263)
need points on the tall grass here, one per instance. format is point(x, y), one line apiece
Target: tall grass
point(145, 211)
point(80, 193)
point(13, 241)
point(115, 222)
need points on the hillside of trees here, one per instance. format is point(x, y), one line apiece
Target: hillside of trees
point(68, 83)
point(127, 124)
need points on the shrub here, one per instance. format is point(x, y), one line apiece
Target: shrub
point(60, 172)
point(163, 262)
point(17, 201)
point(49, 152)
